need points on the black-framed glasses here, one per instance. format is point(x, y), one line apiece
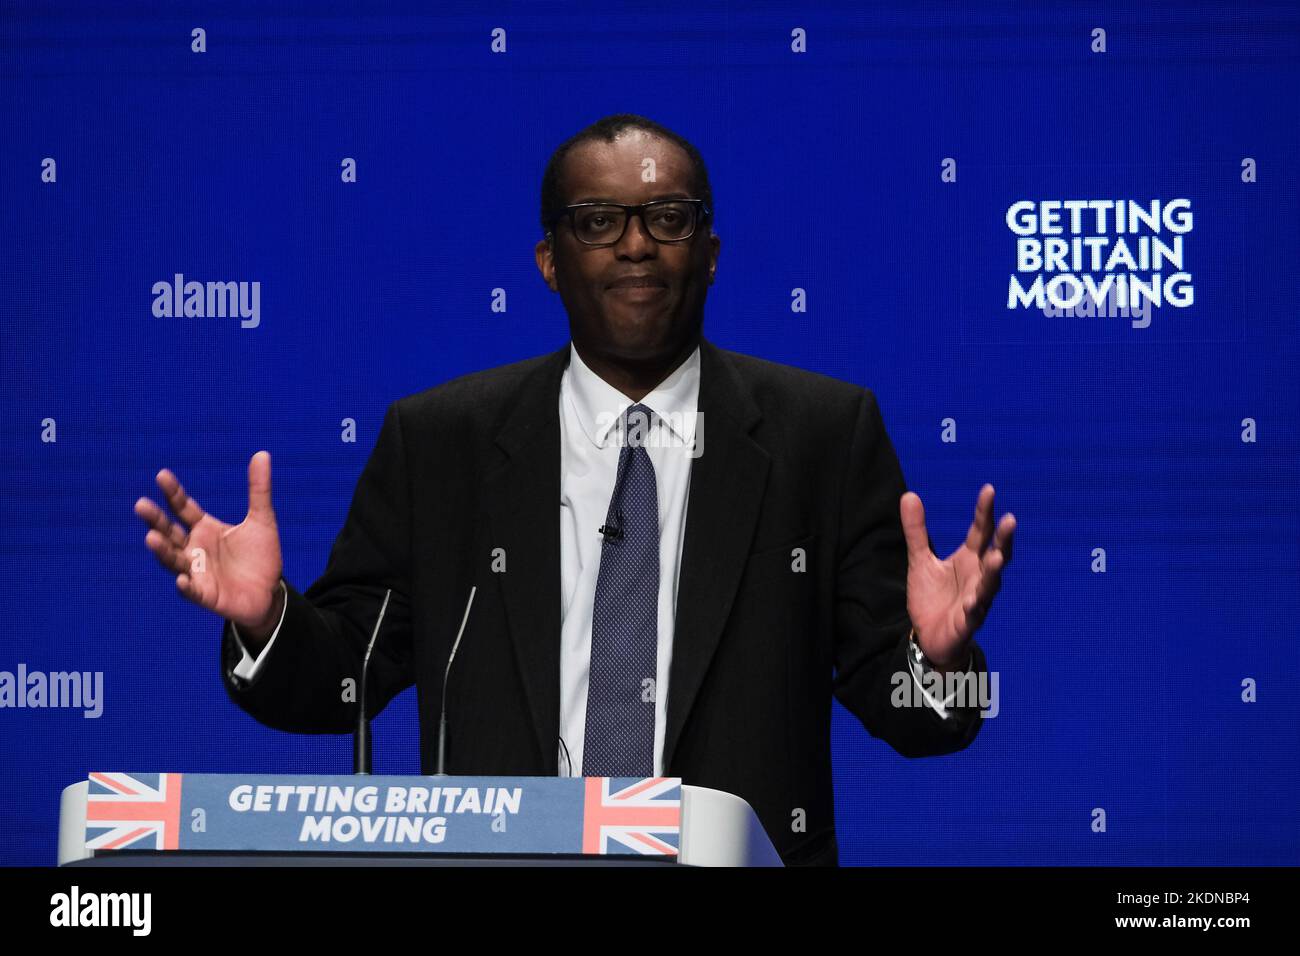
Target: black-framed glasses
point(603, 223)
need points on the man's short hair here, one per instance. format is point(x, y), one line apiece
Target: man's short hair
point(606, 130)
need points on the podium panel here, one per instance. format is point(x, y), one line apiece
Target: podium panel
point(175, 819)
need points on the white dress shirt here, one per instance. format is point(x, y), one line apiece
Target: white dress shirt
point(591, 413)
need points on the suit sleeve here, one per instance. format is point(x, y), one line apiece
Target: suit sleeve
point(310, 683)
point(871, 620)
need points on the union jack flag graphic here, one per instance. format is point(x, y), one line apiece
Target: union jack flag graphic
point(644, 817)
point(135, 811)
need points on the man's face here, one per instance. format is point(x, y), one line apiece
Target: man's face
point(621, 323)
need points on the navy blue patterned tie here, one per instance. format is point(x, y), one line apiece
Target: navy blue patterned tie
point(620, 731)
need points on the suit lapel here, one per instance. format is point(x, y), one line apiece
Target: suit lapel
point(727, 483)
point(523, 500)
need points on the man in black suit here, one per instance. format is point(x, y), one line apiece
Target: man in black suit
point(771, 559)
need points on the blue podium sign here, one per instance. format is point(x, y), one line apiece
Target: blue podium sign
point(614, 816)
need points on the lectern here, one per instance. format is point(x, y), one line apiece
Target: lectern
point(192, 819)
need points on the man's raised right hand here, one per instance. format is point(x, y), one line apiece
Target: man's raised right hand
point(232, 570)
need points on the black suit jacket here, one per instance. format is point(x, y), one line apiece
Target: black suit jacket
point(791, 459)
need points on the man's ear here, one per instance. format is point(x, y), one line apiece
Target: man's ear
point(715, 244)
point(544, 253)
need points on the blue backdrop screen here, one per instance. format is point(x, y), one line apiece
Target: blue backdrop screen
point(866, 163)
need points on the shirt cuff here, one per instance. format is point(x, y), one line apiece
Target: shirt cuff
point(249, 667)
point(921, 668)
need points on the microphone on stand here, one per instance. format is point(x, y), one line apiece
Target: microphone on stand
point(361, 736)
point(442, 722)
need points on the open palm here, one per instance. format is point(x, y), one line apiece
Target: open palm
point(947, 600)
point(231, 570)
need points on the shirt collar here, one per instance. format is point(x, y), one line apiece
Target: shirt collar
point(599, 406)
